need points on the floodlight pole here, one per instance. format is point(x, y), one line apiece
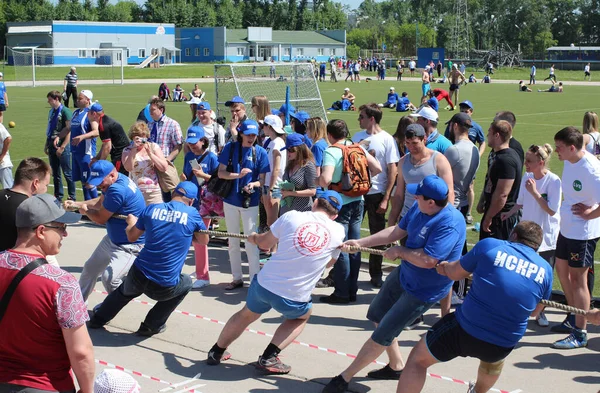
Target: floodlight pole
point(33, 65)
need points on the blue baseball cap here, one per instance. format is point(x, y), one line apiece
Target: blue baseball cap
point(467, 103)
point(187, 189)
point(194, 133)
point(96, 107)
point(301, 116)
point(203, 106)
point(432, 187)
point(293, 140)
point(98, 171)
point(235, 100)
point(248, 127)
point(285, 108)
point(332, 197)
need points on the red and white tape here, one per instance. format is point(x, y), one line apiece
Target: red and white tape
point(313, 346)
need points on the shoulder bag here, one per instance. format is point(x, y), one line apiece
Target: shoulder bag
point(222, 187)
point(12, 287)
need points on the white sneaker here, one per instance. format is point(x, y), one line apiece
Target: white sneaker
point(456, 300)
point(200, 284)
point(542, 320)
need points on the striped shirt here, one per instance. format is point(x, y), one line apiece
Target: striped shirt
point(169, 134)
point(71, 79)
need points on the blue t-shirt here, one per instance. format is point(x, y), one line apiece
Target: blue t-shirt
point(392, 98)
point(81, 125)
point(169, 230)
point(2, 91)
point(122, 197)
point(433, 103)
point(322, 68)
point(476, 133)
point(403, 103)
point(318, 150)
point(209, 164)
point(261, 165)
point(438, 142)
point(509, 280)
point(442, 237)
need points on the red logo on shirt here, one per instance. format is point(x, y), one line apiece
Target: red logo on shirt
point(311, 238)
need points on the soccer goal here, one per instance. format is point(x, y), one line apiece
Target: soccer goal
point(271, 80)
point(33, 66)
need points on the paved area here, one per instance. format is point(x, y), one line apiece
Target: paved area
point(174, 361)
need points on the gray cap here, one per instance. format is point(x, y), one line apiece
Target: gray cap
point(42, 209)
point(415, 129)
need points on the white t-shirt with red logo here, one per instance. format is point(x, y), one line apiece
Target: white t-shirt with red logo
point(307, 242)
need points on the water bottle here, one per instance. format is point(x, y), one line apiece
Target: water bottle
point(476, 227)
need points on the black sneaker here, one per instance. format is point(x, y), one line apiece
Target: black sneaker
point(336, 385)
point(146, 331)
point(272, 366)
point(93, 323)
point(377, 282)
point(334, 299)
point(564, 327)
point(214, 358)
point(415, 323)
point(327, 282)
point(385, 373)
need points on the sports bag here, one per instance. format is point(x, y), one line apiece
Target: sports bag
point(356, 178)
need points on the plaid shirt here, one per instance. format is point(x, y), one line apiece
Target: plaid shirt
point(169, 134)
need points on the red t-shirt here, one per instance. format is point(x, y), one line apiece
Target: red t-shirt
point(440, 94)
point(32, 347)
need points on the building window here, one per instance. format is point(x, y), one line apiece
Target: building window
point(300, 51)
point(332, 51)
point(142, 53)
point(127, 53)
point(251, 51)
point(286, 51)
point(82, 53)
point(187, 51)
point(119, 56)
point(240, 51)
point(206, 52)
point(94, 53)
point(196, 51)
point(321, 51)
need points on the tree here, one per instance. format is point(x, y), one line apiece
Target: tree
point(229, 15)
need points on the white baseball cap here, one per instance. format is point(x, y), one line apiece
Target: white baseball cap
point(347, 89)
point(1, 75)
point(427, 113)
point(275, 123)
point(392, 88)
point(88, 94)
point(427, 67)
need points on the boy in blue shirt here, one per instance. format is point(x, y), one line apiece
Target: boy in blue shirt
point(404, 104)
point(509, 280)
point(156, 272)
point(392, 99)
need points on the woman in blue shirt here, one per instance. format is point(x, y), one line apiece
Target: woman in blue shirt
point(316, 130)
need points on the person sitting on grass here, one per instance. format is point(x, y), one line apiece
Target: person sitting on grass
point(178, 95)
point(553, 88)
point(392, 99)
point(472, 78)
point(523, 87)
point(404, 104)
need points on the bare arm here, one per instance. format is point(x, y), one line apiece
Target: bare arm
point(127, 158)
point(499, 197)
point(5, 147)
point(104, 150)
point(445, 172)
point(326, 176)
point(452, 270)
point(157, 157)
point(374, 165)
point(133, 232)
point(482, 147)
point(81, 356)
point(175, 152)
point(417, 257)
point(388, 235)
point(264, 241)
point(277, 171)
point(398, 198)
point(392, 173)
point(201, 238)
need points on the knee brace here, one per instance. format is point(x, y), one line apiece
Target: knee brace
point(491, 368)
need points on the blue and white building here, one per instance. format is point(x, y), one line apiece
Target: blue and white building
point(81, 43)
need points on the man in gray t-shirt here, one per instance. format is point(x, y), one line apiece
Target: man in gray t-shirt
point(464, 159)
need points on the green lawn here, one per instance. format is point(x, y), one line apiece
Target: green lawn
point(539, 115)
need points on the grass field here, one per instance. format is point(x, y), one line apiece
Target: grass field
point(539, 115)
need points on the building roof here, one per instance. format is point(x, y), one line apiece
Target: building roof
point(574, 48)
point(283, 37)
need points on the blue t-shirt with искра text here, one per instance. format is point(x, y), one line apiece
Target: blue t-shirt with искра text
point(169, 229)
point(441, 236)
point(509, 280)
point(122, 197)
point(258, 164)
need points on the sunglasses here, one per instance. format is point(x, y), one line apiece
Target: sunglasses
point(62, 228)
point(291, 150)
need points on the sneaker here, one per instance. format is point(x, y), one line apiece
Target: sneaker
point(377, 282)
point(272, 366)
point(542, 320)
point(469, 219)
point(577, 339)
point(214, 359)
point(336, 385)
point(471, 388)
point(415, 323)
point(146, 331)
point(334, 299)
point(564, 327)
point(385, 373)
point(456, 300)
point(93, 323)
point(327, 282)
point(200, 284)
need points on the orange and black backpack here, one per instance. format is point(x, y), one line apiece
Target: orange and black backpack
point(356, 178)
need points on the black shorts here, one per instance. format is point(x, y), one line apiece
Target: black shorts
point(356, 72)
point(578, 253)
point(412, 70)
point(454, 86)
point(587, 73)
point(2, 108)
point(446, 340)
point(523, 88)
point(500, 229)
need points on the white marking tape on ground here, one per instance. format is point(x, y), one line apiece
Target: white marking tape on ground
point(312, 346)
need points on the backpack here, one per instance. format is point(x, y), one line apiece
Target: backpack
point(346, 105)
point(356, 178)
point(596, 147)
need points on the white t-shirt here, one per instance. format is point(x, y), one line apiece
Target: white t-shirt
point(549, 187)
point(276, 144)
point(580, 184)
point(586, 68)
point(209, 132)
point(307, 242)
point(594, 138)
point(383, 147)
point(411, 64)
point(6, 162)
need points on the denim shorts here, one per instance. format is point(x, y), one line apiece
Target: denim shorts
point(275, 194)
point(261, 300)
point(393, 309)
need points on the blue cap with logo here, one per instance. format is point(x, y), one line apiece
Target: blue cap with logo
point(235, 100)
point(467, 103)
point(98, 171)
point(96, 107)
point(432, 187)
point(293, 140)
point(301, 116)
point(194, 133)
point(248, 127)
point(203, 106)
point(187, 189)
point(332, 197)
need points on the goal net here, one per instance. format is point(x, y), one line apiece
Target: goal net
point(271, 80)
point(32, 66)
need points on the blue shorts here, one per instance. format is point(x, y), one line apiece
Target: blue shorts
point(260, 301)
point(81, 168)
point(425, 87)
point(393, 309)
